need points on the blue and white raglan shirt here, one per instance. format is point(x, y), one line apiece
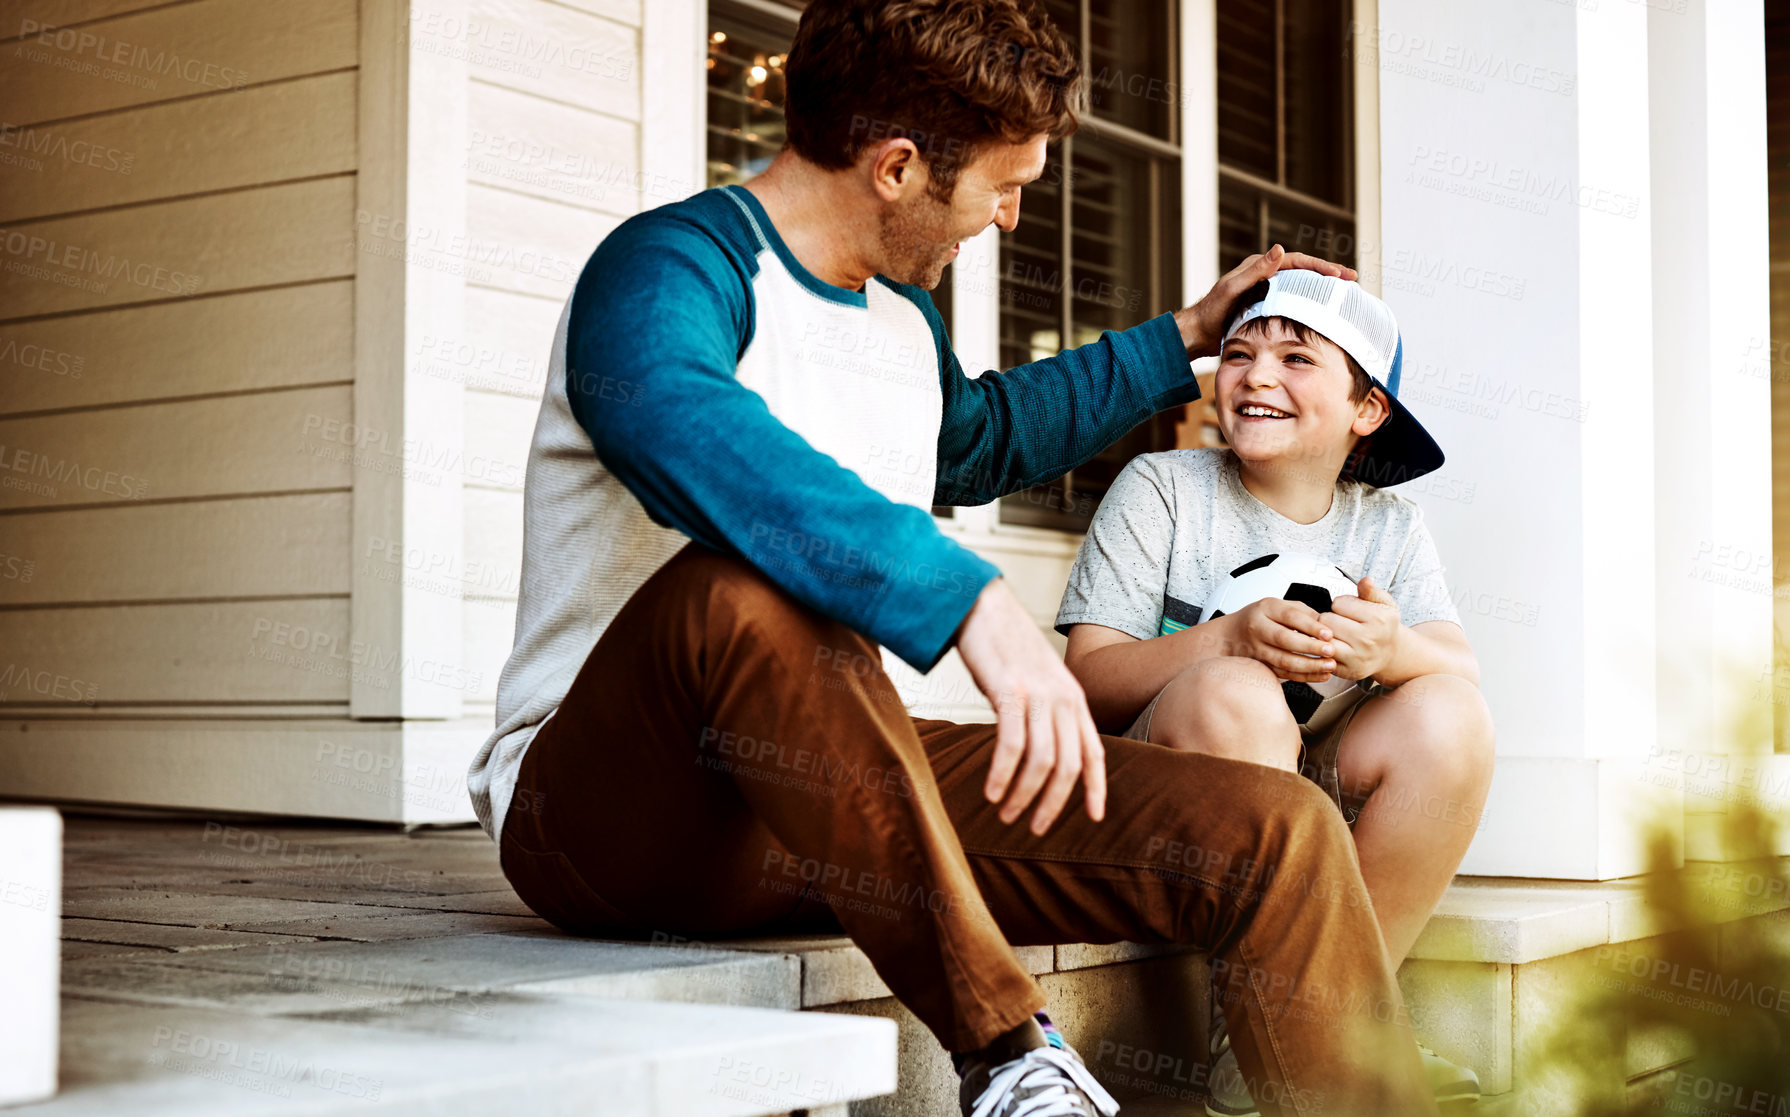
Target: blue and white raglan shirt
point(704, 385)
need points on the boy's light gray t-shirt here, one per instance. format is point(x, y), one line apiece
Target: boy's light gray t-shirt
point(1176, 522)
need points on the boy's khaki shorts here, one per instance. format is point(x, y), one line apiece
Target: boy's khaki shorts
point(1317, 753)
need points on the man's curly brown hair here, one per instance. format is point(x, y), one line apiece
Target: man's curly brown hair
point(949, 75)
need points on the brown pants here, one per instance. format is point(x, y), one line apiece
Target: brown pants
point(731, 762)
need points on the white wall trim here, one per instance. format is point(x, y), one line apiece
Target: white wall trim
point(673, 110)
point(1364, 51)
point(327, 767)
point(410, 229)
point(1199, 147)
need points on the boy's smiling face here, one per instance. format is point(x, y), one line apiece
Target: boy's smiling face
point(1283, 400)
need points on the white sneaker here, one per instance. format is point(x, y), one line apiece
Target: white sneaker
point(1044, 1082)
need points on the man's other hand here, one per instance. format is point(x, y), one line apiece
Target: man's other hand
point(1045, 738)
point(1202, 324)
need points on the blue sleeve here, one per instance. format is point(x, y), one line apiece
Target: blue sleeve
point(1006, 431)
point(663, 304)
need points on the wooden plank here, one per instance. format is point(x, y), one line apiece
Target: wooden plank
point(234, 651)
point(169, 52)
point(251, 546)
point(498, 431)
point(544, 48)
point(507, 343)
point(268, 133)
point(553, 151)
point(255, 339)
point(622, 11)
point(164, 250)
point(278, 441)
point(62, 13)
point(490, 632)
point(528, 245)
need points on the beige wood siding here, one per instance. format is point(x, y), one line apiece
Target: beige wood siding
point(553, 164)
point(176, 330)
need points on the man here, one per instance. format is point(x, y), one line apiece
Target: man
point(750, 408)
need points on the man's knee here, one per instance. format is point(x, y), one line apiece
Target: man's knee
point(741, 596)
point(1280, 835)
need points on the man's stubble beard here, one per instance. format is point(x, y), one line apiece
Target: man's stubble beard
point(906, 235)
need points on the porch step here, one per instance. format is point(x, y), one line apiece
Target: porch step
point(418, 935)
point(1504, 962)
point(458, 1024)
point(513, 1053)
point(465, 970)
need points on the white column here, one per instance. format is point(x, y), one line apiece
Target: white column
point(411, 247)
point(1199, 148)
point(1516, 250)
point(673, 115)
point(30, 951)
point(1711, 331)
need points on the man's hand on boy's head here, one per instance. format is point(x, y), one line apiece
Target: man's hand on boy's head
point(1202, 324)
point(1367, 631)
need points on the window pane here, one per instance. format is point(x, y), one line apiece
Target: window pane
point(1031, 273)
point(1316, 113)
point(1246, 88)
point(1112, 242)
point(745, 95)
point(1118, 278)
point(1300, 229)
point(1297, 228)
point(1129, 66)
point(1241, 226)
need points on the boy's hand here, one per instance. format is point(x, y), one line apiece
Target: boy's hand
point(1283, 635)
point(1202, 324)
point(1367, 631)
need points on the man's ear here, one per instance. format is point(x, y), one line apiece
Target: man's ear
point(1371, 412)
point(896, 168)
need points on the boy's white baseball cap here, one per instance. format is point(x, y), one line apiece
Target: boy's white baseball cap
point(1362, 326)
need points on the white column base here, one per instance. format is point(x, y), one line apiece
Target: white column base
point(1716, 784)
point(1575, 819)
point(328, 767)
point(30, 951)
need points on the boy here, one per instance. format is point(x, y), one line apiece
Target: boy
point(1306, 394)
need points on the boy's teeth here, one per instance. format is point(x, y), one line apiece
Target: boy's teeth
point(1264, 412)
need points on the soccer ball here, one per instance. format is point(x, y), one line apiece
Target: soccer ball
point(1314, 582)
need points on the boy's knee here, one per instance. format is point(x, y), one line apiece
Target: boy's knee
point(1231, 706)
point(1449, 724)
point(1238, 691)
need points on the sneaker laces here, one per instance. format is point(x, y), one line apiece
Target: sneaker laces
point(1042, 1068)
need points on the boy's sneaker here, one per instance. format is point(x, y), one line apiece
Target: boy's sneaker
point(1229, 1097)
point(1044, 1082)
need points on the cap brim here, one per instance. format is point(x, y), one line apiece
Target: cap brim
point(1401, 450)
